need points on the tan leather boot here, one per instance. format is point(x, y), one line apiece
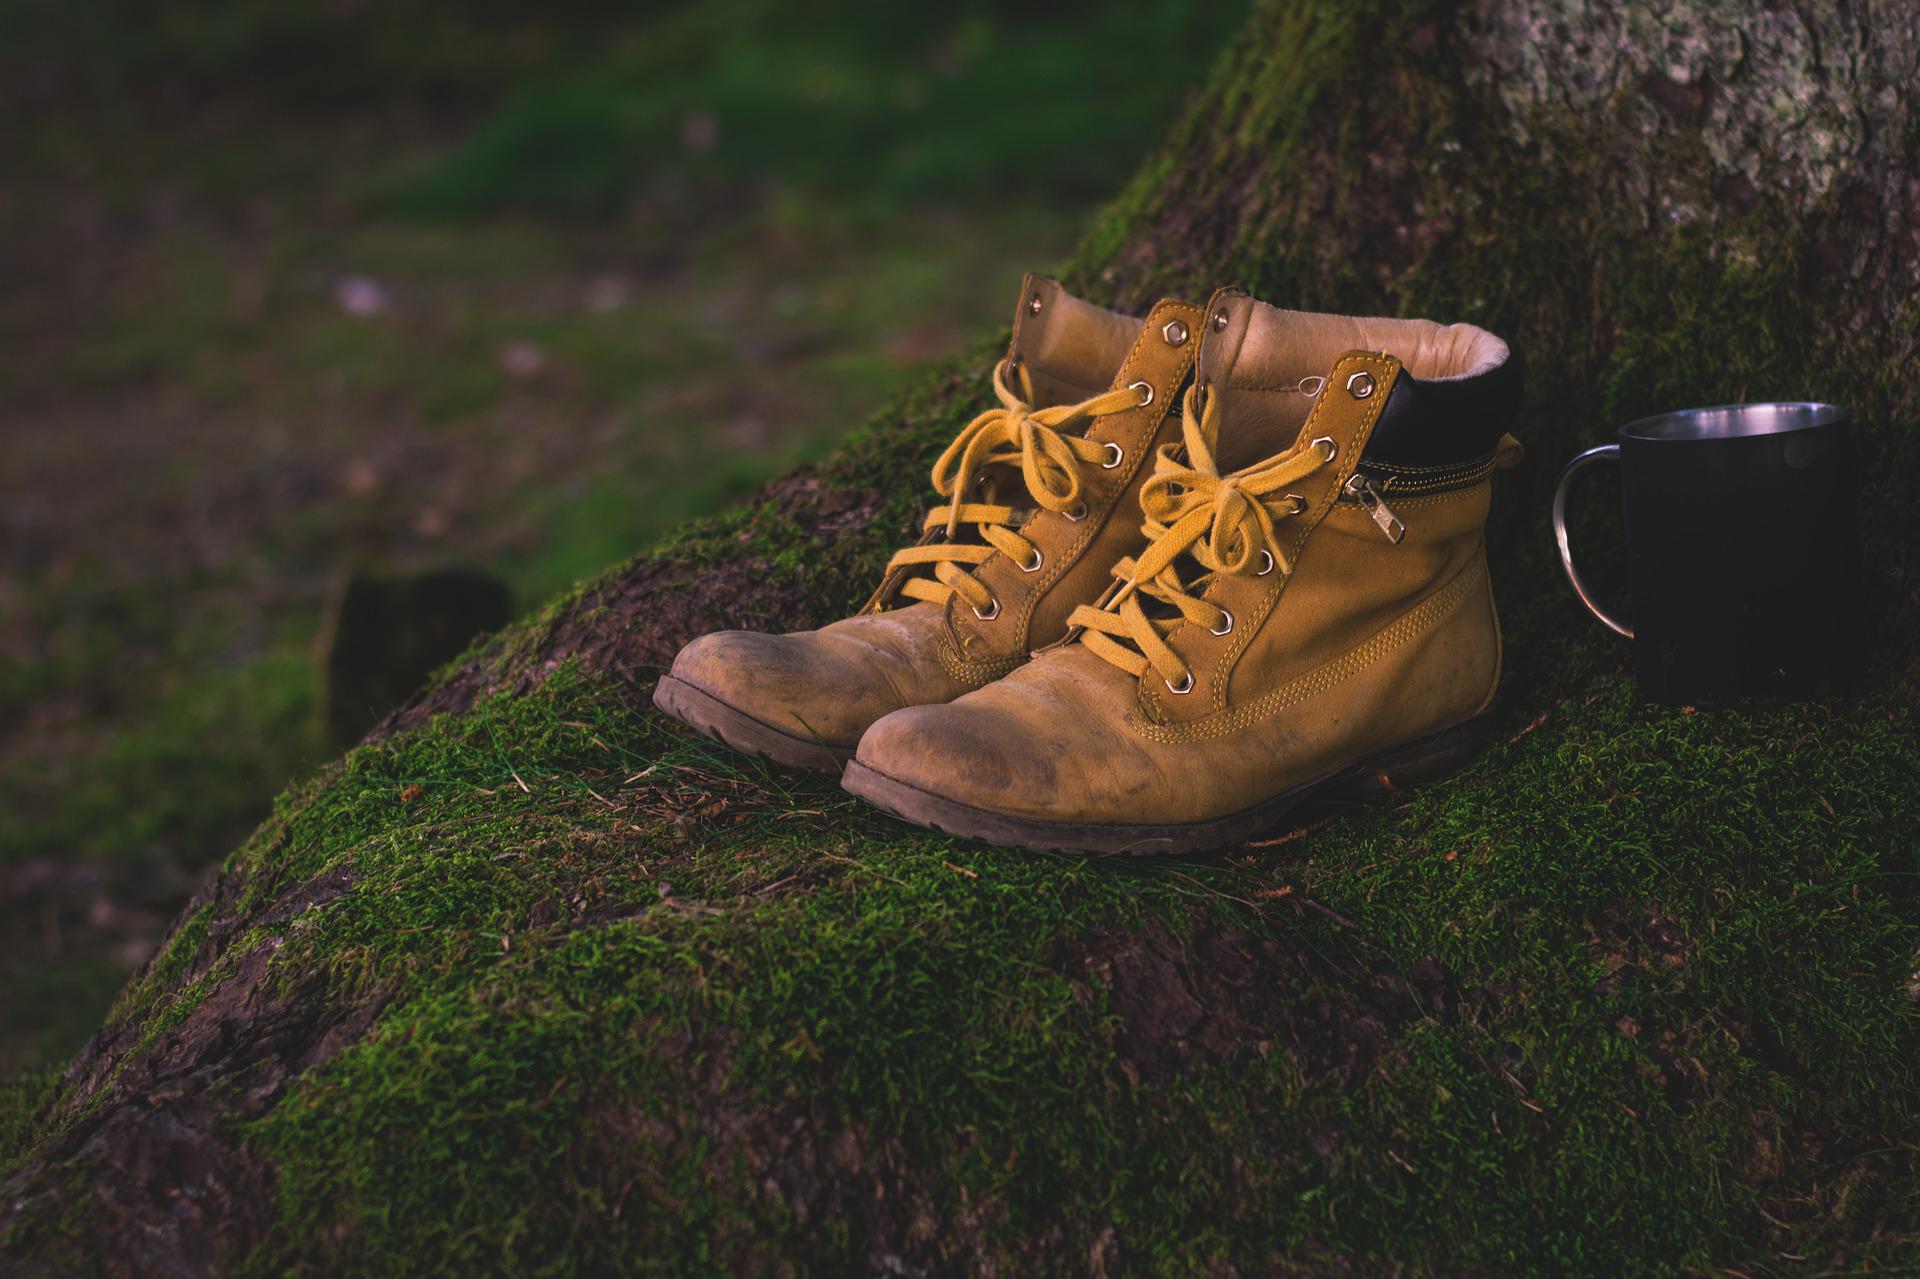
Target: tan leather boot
point(1041, 499)
point(1312, 610)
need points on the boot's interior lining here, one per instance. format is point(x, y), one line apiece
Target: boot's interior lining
point(1280, 349)
point(1285, 346)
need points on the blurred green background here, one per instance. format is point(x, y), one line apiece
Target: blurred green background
point(295, 288)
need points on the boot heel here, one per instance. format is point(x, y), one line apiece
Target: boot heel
point(1423, 760)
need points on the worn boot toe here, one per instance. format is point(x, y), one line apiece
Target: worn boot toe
point(767, 695)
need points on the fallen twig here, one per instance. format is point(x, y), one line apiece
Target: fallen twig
point(1536, 722)
point(1329, 912)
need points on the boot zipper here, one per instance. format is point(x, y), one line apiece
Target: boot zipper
point(1372, 479)
point(1432, 479)
point(1361, 490)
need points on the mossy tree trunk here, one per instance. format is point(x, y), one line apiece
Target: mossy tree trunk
point(529, 982)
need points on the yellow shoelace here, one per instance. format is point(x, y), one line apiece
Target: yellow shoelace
point(1224, 523)
point(1049, 462)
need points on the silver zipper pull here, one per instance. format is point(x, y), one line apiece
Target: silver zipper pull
point(1361, 490)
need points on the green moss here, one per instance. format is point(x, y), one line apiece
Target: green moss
point(892, 996)
point(21, 1097)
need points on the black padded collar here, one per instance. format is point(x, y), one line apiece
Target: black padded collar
point(1446, 421)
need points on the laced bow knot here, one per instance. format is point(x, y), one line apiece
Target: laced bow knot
point(1239, 525)
point(1221, 523)
point(1050, 460)
point(1017, 432)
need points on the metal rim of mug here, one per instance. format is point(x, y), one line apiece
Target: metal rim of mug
point(1735, 421)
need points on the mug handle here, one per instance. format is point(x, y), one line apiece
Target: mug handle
point(1605, 453)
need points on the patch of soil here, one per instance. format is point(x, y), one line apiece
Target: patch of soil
point(1634, 944)
point(1217, 996)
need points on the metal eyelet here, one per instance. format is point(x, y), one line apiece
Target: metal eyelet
point(1146, 392)
point(988, 616)
point(1296, 504)
point(1033, 305)
point(1076, 512)
point(1186, 687)
point(1115, 456)
point(1360, 385)
point(1266, 563)
point(1224, 630)
point(1220, 321)
point(1038, 560)
point(1175, 333)
point(1333, 450)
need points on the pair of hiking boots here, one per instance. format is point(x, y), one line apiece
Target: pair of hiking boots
point(1195, 568)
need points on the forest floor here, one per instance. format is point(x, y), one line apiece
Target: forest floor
point(279, 309)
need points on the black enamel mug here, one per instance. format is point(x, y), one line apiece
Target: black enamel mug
point(1740, 548)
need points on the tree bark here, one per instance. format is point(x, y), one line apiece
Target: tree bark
point(1661, 205)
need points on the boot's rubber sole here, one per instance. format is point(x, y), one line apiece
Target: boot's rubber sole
point(1396, 769)
point(711, 717)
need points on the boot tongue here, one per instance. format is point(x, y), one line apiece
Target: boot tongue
point(1267, 366)
point(1071, 349)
